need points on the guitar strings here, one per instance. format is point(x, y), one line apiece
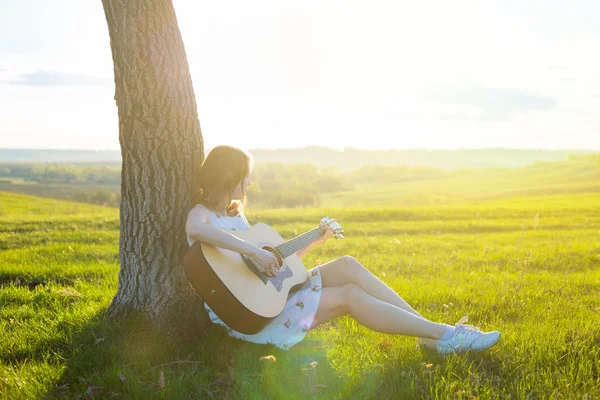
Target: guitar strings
point(290, 247)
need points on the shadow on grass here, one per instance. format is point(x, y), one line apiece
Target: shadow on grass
point(431, 375)
point(107, 358)
point(110, 359)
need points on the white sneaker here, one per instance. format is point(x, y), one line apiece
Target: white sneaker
point(467, 337)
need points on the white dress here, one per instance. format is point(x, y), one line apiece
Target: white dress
point(289, 327)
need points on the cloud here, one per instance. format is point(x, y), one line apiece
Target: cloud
point(494, 103)
point(47, 78)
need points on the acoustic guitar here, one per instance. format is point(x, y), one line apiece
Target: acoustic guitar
point(235, 286)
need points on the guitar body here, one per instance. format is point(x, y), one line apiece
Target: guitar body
point(242, 297)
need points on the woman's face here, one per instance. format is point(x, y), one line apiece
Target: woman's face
point(241, 188)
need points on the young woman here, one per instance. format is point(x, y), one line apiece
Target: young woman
point(339, 287)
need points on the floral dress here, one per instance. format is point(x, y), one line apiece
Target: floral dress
point(289, 327)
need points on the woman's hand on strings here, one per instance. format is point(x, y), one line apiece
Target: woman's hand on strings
point(268, 261)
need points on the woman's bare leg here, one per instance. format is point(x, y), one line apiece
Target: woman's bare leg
point(348, 270)
point(373, 313)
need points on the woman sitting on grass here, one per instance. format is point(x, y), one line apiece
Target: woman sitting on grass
point(339, 287)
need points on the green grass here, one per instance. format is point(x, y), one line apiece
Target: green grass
point(472, 185)
point(528, 267)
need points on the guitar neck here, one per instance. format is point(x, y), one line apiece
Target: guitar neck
point(299, 242)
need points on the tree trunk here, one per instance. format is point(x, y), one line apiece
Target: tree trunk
point(161, 148)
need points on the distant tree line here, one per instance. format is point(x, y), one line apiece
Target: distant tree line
point(275, 184)
point(104, 195)
point(345, 160)
point(294, 185)
point(62, 173)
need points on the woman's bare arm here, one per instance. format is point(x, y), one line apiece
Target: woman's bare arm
point(328, 233)
point(300, 253)
point(198, 227)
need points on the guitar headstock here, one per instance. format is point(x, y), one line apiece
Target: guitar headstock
point(337, 228)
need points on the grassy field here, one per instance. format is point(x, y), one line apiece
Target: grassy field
point(476, 185)
point(528, 267)
point(285, 185)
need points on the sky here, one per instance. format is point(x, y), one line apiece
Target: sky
point(279, 74)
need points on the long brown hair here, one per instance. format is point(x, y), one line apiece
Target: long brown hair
point(223, 169)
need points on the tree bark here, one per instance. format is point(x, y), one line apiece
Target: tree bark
point(161, 148)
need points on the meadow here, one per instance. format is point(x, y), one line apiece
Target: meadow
point(280, 184)
point(527, 266)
